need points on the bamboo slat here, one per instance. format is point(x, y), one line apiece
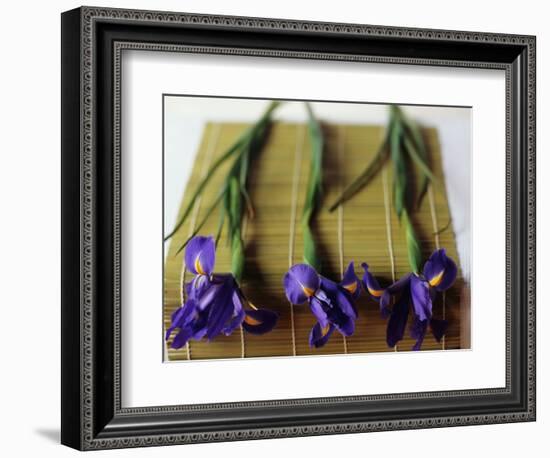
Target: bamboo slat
point(364, 229)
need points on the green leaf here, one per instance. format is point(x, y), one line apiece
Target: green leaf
point(413, 246)
point(362, 180)
point(419, 146)
point(203, 221)
point(202, 185)
point(248, 202)
point(310, 254)
point(444, 228)
point(399, 169)
point(235, 218)
point(243, 141)
point(237, 256)
point(415, 156)
point(220, 225)
point(313, 191)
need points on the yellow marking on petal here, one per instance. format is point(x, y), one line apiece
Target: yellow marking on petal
point(198, 266)
point(307, 291)
point(325, 330)
point(376, 292)
point(251, 321)
point(352, 287)
point(437, 279)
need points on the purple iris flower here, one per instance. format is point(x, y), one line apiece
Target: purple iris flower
point(415, 292)
point(215, 303)
point(331, 303)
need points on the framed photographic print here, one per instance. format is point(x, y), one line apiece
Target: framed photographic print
point(278, 228)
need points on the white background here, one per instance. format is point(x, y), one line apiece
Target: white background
point(30, 186)
point(147, 76)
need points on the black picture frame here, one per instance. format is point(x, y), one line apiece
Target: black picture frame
point(92, 42)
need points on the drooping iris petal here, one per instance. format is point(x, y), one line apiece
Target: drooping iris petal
point(439, 328)
point(238, 314)
point(370, 283)
point(259, 321)
point(418, 331)
point(350, 282)
point(181, 338)
point(174, 324)
point(180, 316)
point(221, 309)
point(421, 298)
point(318, 309)
point(440, 270)
point(182, 319)
point(301, 282)
point(385, 301)
point(199, 325)
point(338, 297)
point(200, 255)
point(319, 335)
point(344, 324)
point(396, 288)
point(398, 320)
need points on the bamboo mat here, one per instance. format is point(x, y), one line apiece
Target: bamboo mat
point(365, 229)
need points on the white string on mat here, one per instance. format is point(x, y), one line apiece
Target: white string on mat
point(300, 132)
point(431, 199)
point(387, 209)
point(341, 148)
point(243, 343)
point(213, 139)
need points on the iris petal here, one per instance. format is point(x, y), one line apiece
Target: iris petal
point(221, 308)
point(398, 321)
point(181, 338)
point(180, 317)
point(200, 255)
point(238, 314)
point(199, 325)
point(345, 325)
point(421, 299)
point(318, 310)
point(398, 286)
point(319, 335)
point(440, 271)
point(338, 297)
point(439, 328)
point(370, 283)
point(418, 331)
point(259, 321)
point(301, 282)
point(350, 282)
point(401, 286)
point(449, 276)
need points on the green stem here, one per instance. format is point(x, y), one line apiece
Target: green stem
point(314, 190)
point(243, 143)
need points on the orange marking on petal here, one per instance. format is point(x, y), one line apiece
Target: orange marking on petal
point(352, 287)
point(376, 292)
point(325, 330)
point(437, 279)
point(251, 321)
point(308, 291)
